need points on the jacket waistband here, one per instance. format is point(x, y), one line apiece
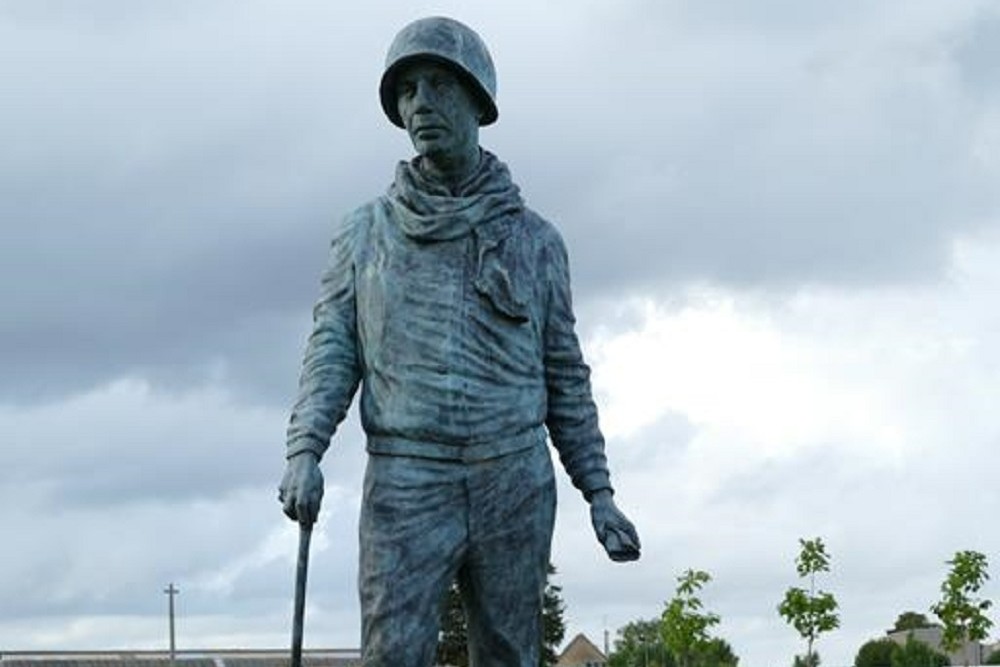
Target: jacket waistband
point(479, 451)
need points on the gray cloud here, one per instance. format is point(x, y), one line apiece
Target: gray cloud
point(977, 53)
point(761, 157)
point(129, 444)
point(173, 188)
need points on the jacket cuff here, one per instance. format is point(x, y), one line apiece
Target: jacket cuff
point(593, 482)
point(304, 445)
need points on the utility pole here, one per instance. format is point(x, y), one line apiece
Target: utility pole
point(171, 591)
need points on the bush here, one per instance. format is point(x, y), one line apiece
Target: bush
point(876, 653)
point(915, 653)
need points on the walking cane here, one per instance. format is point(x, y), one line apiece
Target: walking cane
point(301, 569)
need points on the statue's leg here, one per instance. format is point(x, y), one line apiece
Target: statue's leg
point(511, 514)
point(413, 535)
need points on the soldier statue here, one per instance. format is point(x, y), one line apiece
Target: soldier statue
point(447, 300)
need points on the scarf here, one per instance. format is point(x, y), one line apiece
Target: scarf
point(486, 205)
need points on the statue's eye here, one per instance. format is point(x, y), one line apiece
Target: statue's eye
point(406, 89)
point(441, 83)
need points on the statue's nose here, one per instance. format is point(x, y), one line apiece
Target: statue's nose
point(423, 97)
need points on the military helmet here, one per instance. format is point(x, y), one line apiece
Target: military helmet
point(450, 43)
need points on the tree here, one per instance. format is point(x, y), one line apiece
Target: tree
point(453, 638)
point(717, 653)
point(963, 615)
point(553, 625)
point(910, 620)
point(915, 653)
point(810, 612)
point(875, 653)
point(993, 658)
point(683, 624)
point(640, 644)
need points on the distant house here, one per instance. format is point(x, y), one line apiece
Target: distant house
point(581, 652)
point(972, 653)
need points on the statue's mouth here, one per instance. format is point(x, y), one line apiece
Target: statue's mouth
point(429, 128)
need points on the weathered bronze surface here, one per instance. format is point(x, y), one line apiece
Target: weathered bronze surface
point(447, 300)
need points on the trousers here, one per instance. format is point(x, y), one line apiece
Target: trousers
point(425, 523)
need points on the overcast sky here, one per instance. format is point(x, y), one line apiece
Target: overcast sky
point(784, 227)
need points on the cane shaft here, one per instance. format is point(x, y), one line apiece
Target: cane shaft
point(301, 571)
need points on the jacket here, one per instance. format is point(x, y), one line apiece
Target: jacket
point(462, 338)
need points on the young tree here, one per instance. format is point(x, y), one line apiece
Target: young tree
point(962, 615)
point(640, 644)
point(453, 638)
point(683, 624)
point(810, 612)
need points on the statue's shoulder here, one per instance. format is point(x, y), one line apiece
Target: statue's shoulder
point(544, 232)
point(353, 228)
point(363, 216)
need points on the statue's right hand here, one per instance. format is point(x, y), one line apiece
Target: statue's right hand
point(301, 489)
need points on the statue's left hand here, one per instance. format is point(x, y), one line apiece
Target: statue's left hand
point(613, 528)
point(301, 490)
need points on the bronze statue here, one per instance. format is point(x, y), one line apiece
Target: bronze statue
point(448, 301)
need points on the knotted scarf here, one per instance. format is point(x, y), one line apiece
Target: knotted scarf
point(486, 205)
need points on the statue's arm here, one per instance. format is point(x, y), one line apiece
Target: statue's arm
point(331, 373)
point(572, 414)
point(571, 418)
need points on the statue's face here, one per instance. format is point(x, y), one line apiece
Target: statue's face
point(439, 113)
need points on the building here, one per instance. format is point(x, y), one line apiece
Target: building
point(972, 653)
point(581, 652)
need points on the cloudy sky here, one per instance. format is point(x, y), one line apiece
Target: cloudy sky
point(784, 224)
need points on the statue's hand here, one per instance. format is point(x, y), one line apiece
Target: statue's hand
point(613, 528)
point(301, 489)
